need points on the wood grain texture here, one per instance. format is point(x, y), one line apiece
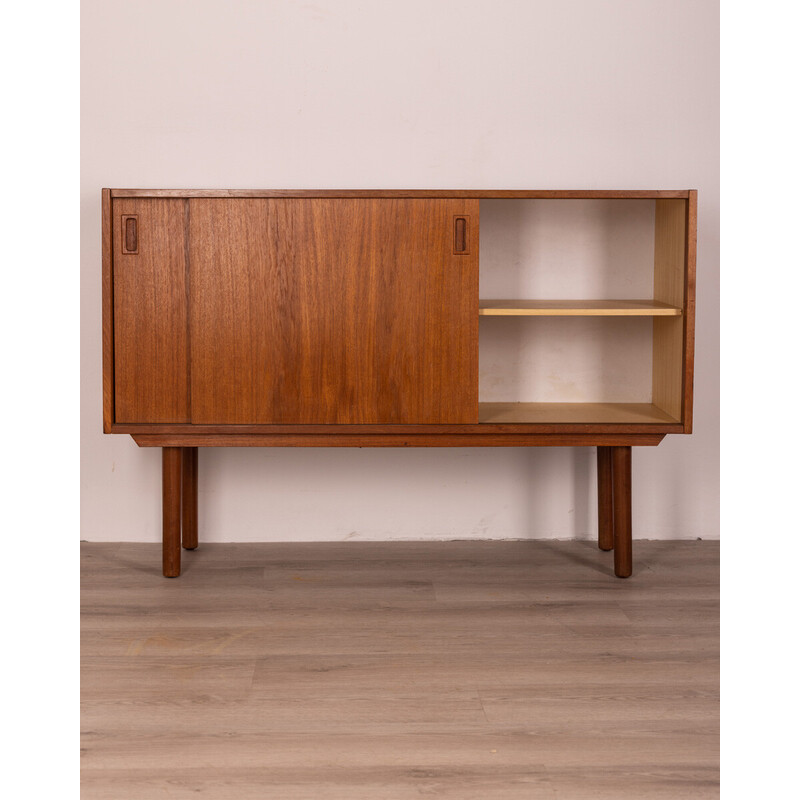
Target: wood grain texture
point(577, 308)
point(150, 315)
point(611, 413)
point(605, 499)
point(355, 671)
point(479, 429)
point(237, 302)
point(171, 511)
point(476, 431)
point(240, 360)
point(473, 194)
point(189, 498)
point(621, 483)
point(668, 287)
point(396, 440)
point(332, 312)
point(108, 310)
point(393, 336)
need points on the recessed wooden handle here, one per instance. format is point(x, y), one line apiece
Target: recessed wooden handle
point(130, 234)
point(461, 236)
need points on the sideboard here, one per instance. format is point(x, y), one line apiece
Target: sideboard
point(350, 318)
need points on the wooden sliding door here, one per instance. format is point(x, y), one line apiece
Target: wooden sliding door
point(150, 324)
point(235, 310)
point(333, 311)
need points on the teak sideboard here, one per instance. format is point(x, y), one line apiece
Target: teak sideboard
point(350, 318)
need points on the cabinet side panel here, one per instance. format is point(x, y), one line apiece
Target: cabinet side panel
point(689, 311)
point(668, 287)
point(150, 323)
point(108, 314)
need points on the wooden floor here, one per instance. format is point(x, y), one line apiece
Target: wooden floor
point(461, 670)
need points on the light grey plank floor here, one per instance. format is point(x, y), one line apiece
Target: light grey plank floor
point(400, 670)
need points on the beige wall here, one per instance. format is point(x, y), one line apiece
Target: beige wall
point(418, 94)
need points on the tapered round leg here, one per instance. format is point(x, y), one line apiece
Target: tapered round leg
point(605, 505)
point(189, 500)
point(171, 510)
point(623, 556)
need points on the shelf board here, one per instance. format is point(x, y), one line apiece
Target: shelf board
point(574, 413)
point(577, 308)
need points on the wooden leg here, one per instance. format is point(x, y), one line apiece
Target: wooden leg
point(189, 499)
point(605, 506)
point(171, 510)
point(621, 461)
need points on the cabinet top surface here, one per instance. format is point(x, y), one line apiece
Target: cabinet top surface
point(551, 194)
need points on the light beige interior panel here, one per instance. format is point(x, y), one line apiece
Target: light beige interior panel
point(668, 287)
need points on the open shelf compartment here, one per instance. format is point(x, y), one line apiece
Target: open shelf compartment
point(620, 359)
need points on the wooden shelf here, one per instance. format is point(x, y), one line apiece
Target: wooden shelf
point(574, 413)
point(577, 308)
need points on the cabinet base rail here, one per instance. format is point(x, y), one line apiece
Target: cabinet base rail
point(179, 505)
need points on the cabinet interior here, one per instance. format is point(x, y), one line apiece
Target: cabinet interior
point(581, 310)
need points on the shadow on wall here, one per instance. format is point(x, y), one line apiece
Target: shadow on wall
point(561, 488)
point(282, 494)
